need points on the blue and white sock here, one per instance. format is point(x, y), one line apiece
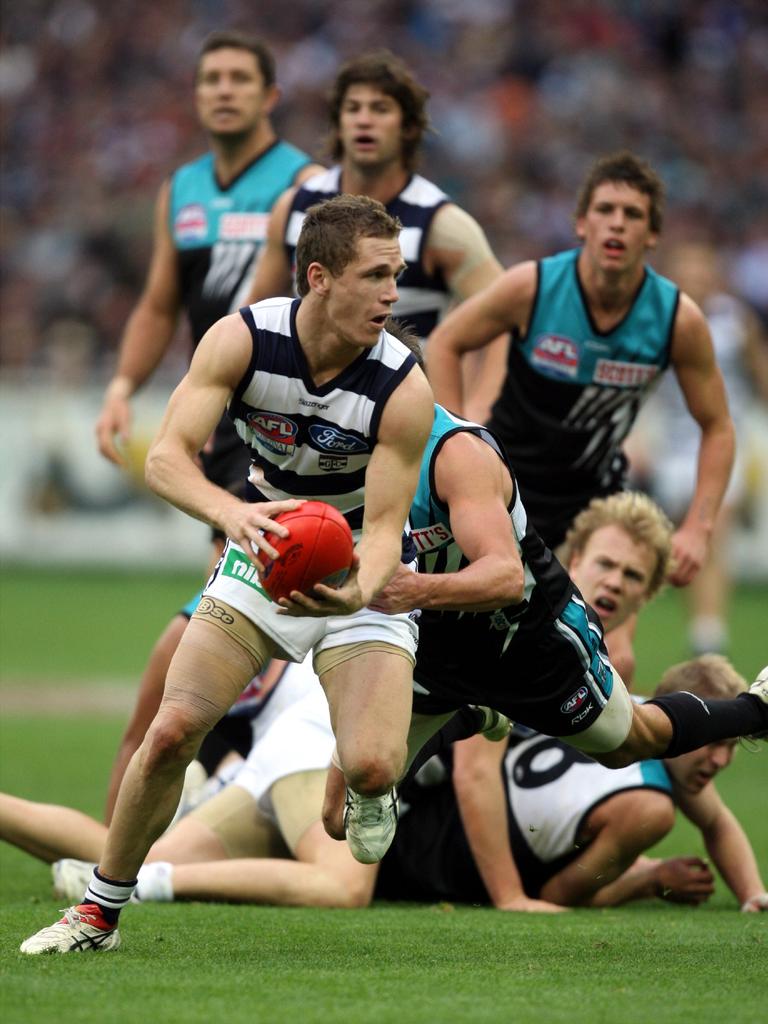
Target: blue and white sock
point(109, 894)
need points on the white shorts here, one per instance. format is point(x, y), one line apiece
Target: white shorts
point(291, 736)
point(296, 682)
point(236, 583)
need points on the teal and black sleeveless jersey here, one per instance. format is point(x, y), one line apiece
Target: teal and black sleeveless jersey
point(217, 231)
point(572, 392)
point(541, 661)
point(450, 642)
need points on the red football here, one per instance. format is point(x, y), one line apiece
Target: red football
point(318, 550)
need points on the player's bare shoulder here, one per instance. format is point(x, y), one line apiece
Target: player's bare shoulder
point(691, 338)
point(307, 172)
point(224, 352)
point(410, 407)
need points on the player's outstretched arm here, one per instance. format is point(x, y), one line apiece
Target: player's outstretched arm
point(391, 479)
point(693, 360)
point(146, 337)
point(501, 307)
point(457, 245)
point(474, 483)
point(600, 876)
point(483, 807)
point(194, 409)
point(727, 845)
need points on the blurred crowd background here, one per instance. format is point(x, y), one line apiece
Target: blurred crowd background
point(97, 108)
point(96, 104)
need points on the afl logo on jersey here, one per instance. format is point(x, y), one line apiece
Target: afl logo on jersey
point(556, 356)
point(277, 433)
point(574, 701)
point(191, 223)
point(331, 439)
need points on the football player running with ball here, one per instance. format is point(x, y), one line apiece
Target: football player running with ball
point(303, 379)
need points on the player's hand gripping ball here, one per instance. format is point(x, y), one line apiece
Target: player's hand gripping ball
point(317, 550)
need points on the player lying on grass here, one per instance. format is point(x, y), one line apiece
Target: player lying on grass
point(577, 830)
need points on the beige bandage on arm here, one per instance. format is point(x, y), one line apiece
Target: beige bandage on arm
point(453, 230)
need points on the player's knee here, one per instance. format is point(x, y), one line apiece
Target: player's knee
point(373, 774)
point(641, 742)
point(171, 740)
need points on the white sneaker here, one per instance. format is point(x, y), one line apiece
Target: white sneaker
point(71, 878)
point(81, 929)
point(370, 823)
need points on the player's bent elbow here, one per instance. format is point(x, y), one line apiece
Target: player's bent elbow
point(338, 890)
point(357, 895)
point(511, 584)
point(155, 470)
point(152, 473)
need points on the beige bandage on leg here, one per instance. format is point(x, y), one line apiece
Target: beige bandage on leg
point(331, 657)
point(240, 826)
point(297, 801)
point(260, 646)
point(218, 656)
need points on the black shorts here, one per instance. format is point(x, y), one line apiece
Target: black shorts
point(555, 678)
point(430, 858)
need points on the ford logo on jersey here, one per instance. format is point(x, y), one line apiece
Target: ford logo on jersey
point(575, 700)
point(331, 439)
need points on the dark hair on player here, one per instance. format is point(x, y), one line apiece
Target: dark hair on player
point(629, 169)
point(406, 334)
point(384, 71)
point(710, 676)
point(232, 39)
point(331, 230)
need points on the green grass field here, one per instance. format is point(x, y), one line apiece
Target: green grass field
point(187, 963)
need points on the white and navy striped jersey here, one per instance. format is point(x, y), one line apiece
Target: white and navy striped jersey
point(308, 441)
point(551, 790)
point(423, 296)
